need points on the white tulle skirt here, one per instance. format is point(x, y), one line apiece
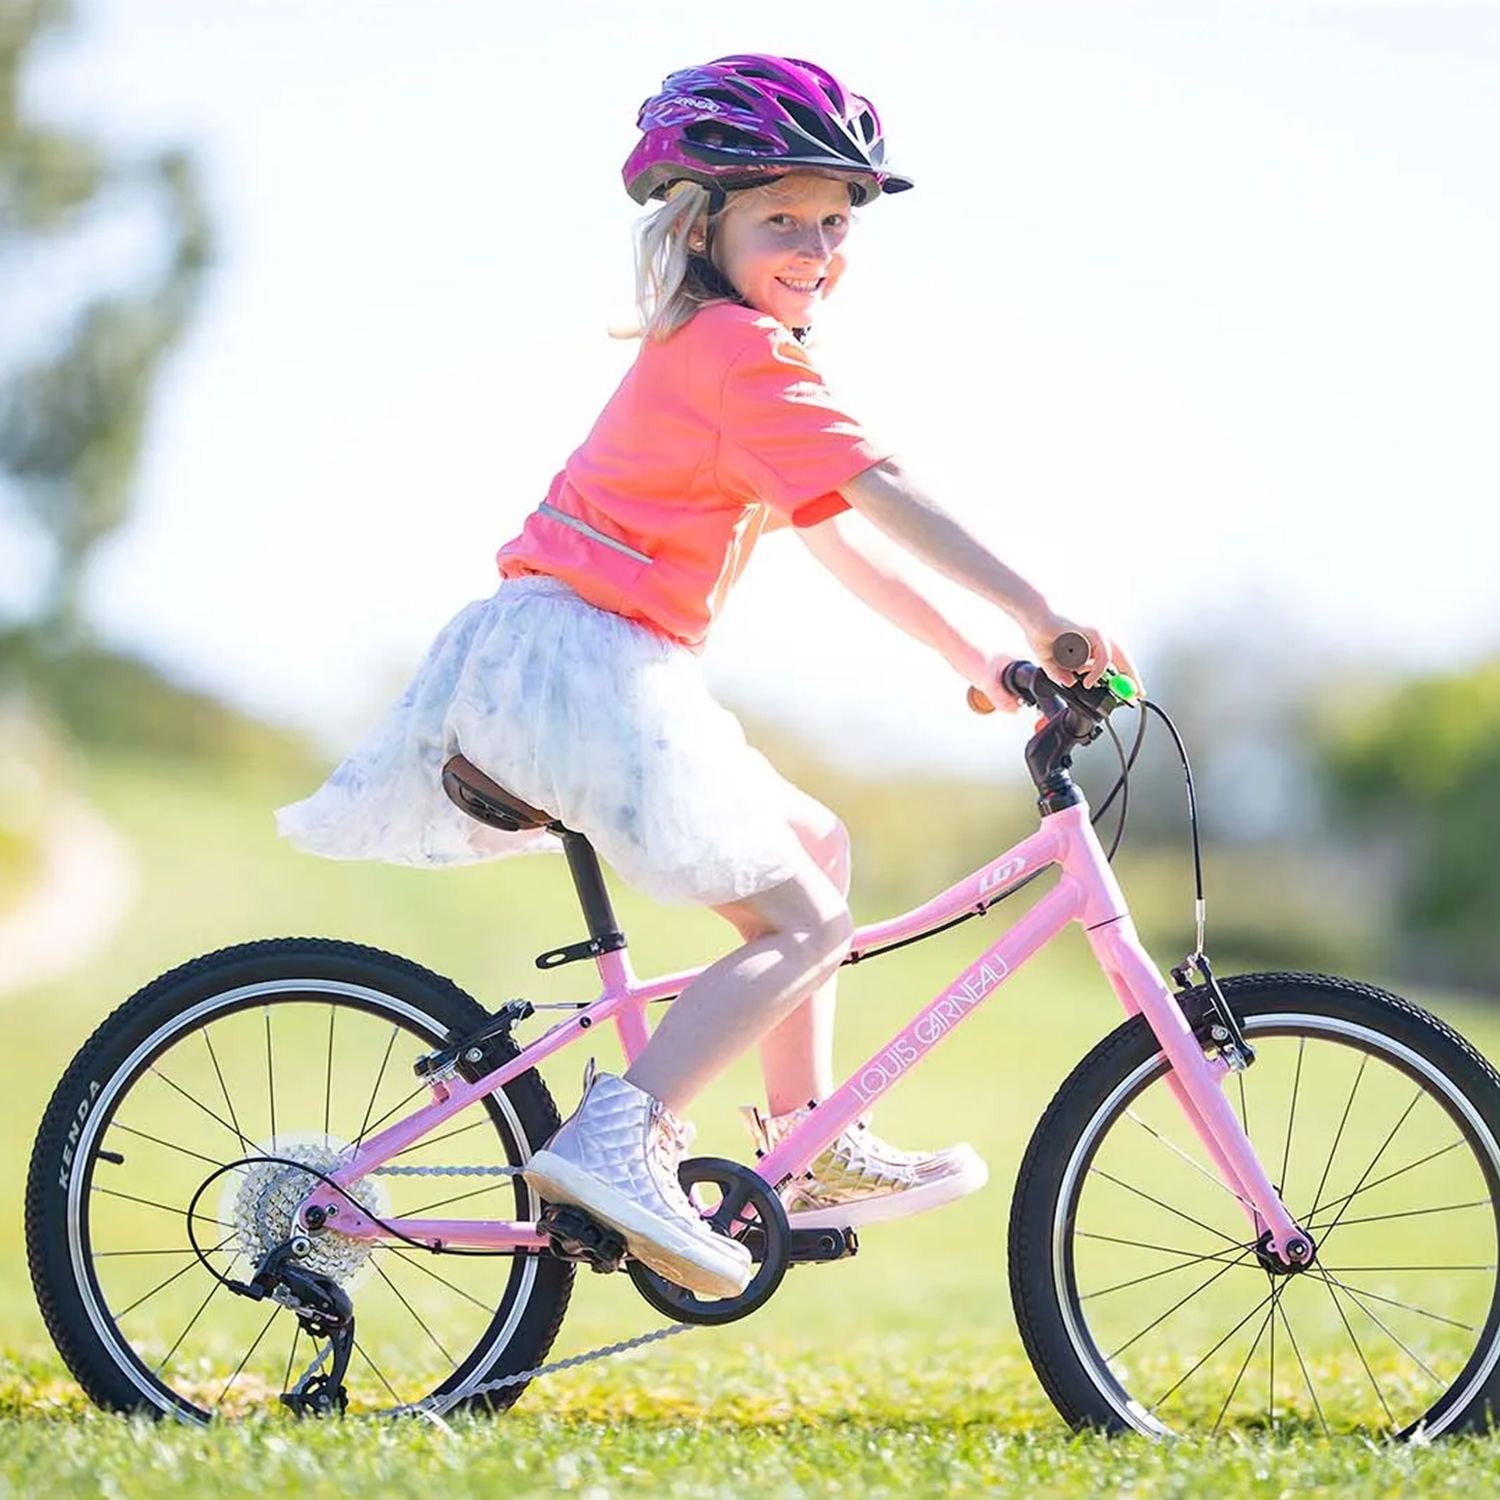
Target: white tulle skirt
point(605, 724)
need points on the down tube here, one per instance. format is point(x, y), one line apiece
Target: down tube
point(960, 999)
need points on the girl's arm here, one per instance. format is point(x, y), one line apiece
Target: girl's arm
point(880, 574)
point(889, 499)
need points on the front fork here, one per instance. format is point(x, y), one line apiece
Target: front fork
point(1196, 1081)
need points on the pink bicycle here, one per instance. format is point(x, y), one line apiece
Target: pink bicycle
point(1271, 1201)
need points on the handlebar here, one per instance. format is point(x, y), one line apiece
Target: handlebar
point(1073, 714)
point(1070, 650)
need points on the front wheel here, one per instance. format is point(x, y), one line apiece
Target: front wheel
point(1138, 1288)
point(212, 1085)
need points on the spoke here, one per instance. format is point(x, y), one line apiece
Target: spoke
point(1273, 1297)
point(333, 1011)
point(421, 1323)
point(1411, 1166)
point(400, 1104)
point(1296, 1349)
point(1140, 1193)
point(270, 1080)
point(1155, 1323)
point(1181, 1265)
point(364, 1354)
point(379, 1079)
point(1339, 1134)
point(162, 1285)
point(246, 1360)
point(234, 1130)
point(1406, 1213)
point(165, 1208)
point(291, 1354)
point(1358, 1349)
point(224, 1089)
point(427, 1208)
point(212, 1293)
point(176, 1250)
point(1286, 1154)
point(1277, 1294)
point(1177, 1150)
point(1405, 1115)
point(434, 1140)
point(1410, 1353)
point(1340, 1270)
point(1183, 1380)
point(428, 1271)
point(170, 1145)
point(1421, 1312)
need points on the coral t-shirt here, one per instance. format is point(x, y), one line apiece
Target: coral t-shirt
point(717, 434)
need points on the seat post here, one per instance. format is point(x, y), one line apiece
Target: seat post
point(593, 896)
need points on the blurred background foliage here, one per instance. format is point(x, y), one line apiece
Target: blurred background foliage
point(1348, 829)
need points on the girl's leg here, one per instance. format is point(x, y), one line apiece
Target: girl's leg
point(796, 1055)
point(796, 936)
point(617, 1156)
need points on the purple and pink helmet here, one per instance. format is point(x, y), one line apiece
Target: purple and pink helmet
point(750, 117)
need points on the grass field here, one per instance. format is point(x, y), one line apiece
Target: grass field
point(899, 1372)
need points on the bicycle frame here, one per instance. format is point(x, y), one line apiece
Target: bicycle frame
point(1086, 892)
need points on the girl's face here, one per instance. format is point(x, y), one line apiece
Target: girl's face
point(781, 245)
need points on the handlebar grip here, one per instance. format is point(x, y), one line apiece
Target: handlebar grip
point(1071, 650)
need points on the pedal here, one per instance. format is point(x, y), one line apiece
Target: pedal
point(575, 1234)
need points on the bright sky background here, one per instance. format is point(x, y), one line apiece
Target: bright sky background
point(1194, 313)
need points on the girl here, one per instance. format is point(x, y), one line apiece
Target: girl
point(577, 686)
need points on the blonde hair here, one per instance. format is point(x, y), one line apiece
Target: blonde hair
point(668, 290)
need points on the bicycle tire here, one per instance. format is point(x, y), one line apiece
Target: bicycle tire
point(1137, 1288)
point(168, 1090)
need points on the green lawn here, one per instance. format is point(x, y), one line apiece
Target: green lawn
point(899, 1372)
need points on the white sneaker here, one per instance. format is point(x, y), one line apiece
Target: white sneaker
point(617, 1158)
point(860, 1179)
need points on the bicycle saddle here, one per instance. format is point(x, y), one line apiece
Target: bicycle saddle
point(476, 794)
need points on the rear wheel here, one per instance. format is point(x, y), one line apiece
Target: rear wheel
point(1141, 1295)
point(295, 1049)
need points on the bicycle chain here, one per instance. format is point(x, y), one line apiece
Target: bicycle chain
point(436, 1406)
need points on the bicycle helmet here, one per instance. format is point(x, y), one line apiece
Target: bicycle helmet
point(750, 118)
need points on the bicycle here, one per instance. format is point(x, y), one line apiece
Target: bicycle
point(1163, 1278)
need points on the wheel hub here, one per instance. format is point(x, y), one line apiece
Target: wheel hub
point(1303, 1250)
point(260, 1200)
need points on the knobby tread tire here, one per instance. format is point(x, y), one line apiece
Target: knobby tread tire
point(152, 1007)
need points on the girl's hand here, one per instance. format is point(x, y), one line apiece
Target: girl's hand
point(987, 693)
point(1105, 653)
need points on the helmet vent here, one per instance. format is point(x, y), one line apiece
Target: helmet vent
point(815, 126)
point(721, 137)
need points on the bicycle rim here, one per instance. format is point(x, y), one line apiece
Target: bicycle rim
point(1181, 1325)
point(299, 1069)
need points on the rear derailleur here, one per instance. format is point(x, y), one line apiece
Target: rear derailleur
point(324, 1311)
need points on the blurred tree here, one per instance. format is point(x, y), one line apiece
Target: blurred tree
point(1416, 776)
point(73, 414)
